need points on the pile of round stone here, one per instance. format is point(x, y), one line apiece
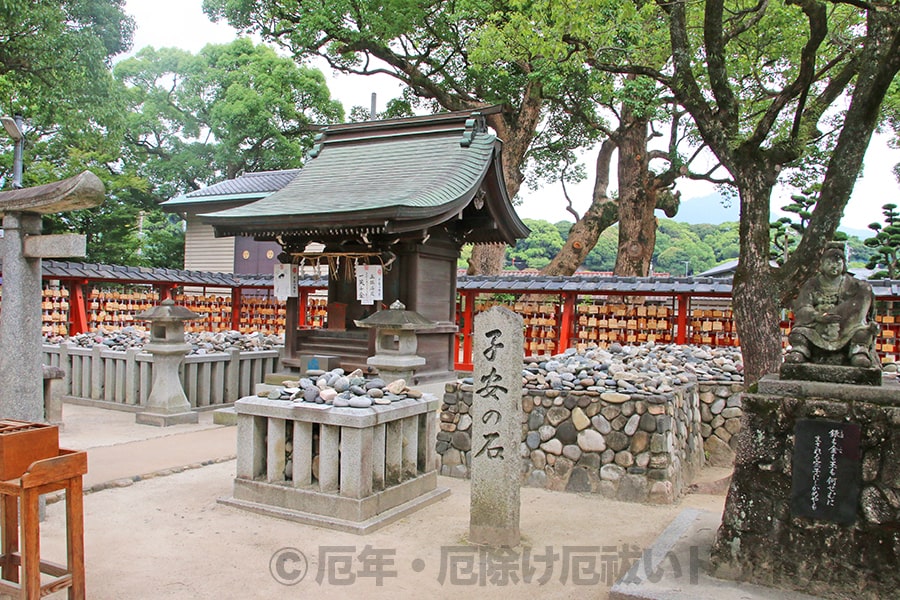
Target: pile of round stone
point(205, 342)
point(335, 388)
point(647, 368)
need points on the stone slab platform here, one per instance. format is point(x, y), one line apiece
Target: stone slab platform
point(165, 419)
point(225, 416)
point(831, 373)
point(330, 522)
point(887, 394)
point(687, 542)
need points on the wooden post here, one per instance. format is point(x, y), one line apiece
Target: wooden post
point(10, 571)
point(75, 536)
point(30, 534)
point(302, 318)
point(165, 291)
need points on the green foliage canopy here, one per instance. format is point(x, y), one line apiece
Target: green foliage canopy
point(886, 244)
point(196, 119)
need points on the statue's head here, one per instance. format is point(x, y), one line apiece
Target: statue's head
point(834, 259)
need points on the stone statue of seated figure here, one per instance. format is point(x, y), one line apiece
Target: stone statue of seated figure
point(834, 317)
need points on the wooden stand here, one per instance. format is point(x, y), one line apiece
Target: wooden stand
point(60, 472)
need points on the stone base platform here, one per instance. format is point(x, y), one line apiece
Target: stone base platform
point(887, 394)
point(831, 373)
point(813, 499)
point(225, 416)
point(320, 516)
point(279, 378)
point(686, 542)
point(166, 420)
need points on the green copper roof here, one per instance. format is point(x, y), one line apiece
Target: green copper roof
point(385, 176)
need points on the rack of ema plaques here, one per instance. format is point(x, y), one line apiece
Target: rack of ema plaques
point(350, 469)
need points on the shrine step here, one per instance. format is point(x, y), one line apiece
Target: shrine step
point(351, 350)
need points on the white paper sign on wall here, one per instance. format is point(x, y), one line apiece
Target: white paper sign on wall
point(369, 283)
point(287, 278)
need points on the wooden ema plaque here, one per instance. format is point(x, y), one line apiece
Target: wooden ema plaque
point(22, 443)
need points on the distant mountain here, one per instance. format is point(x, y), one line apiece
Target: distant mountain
point(862, 234)
point(713, 209)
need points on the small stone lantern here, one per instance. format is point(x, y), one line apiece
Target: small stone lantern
point(395, 341)
point(167, 403)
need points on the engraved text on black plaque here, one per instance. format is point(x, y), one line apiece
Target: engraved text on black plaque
point(826, 470)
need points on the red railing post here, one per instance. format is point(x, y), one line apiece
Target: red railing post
point(566, 321)
point(165, 291)
point(78, 322)
point(468, 318)
point(682, 319)
point(237, 295)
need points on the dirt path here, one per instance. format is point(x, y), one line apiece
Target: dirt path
point(168, 538)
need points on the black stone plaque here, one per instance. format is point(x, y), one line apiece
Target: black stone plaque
point(826, 470)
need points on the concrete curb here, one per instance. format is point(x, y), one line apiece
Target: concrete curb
point(129, 481)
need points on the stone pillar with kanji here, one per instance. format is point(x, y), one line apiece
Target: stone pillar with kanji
point(496, 429)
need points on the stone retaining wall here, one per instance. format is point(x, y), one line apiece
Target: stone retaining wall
point(637, 448)
point(720, 420)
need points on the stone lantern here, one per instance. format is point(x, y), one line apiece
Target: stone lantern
point(167, 403)
point(395, 341)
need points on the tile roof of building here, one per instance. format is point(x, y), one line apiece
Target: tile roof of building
point(249, 186)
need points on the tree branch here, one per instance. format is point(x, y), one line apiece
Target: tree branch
point(714, 43)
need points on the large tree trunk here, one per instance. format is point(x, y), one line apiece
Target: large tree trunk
point(755, 290)
point(516, 131)
point(486, 259)
point(582, 237)
point(637, 198)
point(602, 213)
point(640, 194)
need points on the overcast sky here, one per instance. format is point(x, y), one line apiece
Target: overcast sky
point(182, 24)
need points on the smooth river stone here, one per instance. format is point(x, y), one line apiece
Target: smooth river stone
point(360, 402)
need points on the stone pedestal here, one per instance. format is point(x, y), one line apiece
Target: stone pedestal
point(392, 368)
point(814, 503)
point(53, 392)
point(349, 469)
point(167, 403)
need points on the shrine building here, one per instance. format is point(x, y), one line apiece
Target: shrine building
point(400, 196)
